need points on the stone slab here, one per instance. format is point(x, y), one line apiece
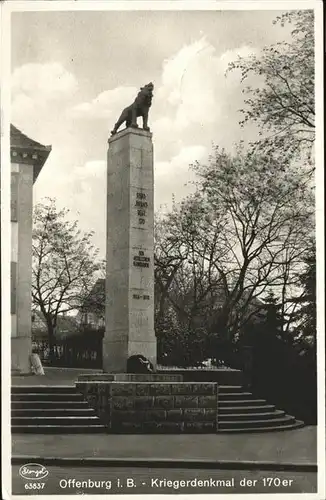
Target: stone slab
point(219, 375)
point(129, 377)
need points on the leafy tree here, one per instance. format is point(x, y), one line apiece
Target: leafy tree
point(241, 235)
point(65, 264)
point(305, 330)
point(185, 278)
point(179, 345)
point(274, 318)
point(265, 215)
point(283, 104)
point(94, 304)
point(168, 257)
point(308, 282)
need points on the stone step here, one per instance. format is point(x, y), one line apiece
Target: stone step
point(52, 412)
point(297, 424)
point(245, 409)
point(229, 388)
point(165, 427)
point(23, 404)
point(45, 420)
point(47, 389)
point(243, 402)
point(234, 424)
point(251, 416)
point(226, 396)
point(58, 429)
point(46, 396)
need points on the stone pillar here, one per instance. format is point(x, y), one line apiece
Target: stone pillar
point(129, 316)
point(21, 266)
point(27, 160)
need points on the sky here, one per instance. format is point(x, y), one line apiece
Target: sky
point(74, 72)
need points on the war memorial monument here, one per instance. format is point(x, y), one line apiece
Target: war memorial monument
point(130, 395)
point(129, 316)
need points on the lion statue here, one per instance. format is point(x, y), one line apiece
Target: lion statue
point(139, 107)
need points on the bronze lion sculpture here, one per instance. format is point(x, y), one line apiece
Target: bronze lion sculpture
point(139, 107)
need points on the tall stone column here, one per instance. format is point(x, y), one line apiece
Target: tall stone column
point(21, 266)
point(129, 316)
point(27, 160)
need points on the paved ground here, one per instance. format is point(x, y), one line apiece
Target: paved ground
point(53, 376)
point(155, 481)
point(297, 446)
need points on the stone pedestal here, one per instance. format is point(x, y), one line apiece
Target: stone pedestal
point(153, 407)
point(129, 317)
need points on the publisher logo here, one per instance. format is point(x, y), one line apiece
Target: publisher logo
point(33, 471)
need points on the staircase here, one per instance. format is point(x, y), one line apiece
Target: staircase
point(62, 409)
point(52, 410)
point(239, 411)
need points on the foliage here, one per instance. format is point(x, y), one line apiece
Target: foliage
point(241, 235)
point(265, 213)
point(179, 345)
point(65, 264)
point(283, 105)
point(306, 329)
point(94, 303)
point(183, 280)
point(91, 333)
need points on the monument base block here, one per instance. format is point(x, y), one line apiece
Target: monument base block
point(151, 407)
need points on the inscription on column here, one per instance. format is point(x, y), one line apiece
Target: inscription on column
point(141, 260)
point(141, 206)
point(139, 296)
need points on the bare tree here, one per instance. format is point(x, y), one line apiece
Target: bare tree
point(65, 264)
point(184, 276)
point(241, 235)
point(268, 214)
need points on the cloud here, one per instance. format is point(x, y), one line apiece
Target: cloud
point(22, 105)
point(176, 68)
point(189, 91)
point(83, 190)
point(231, 55)
point(40, 93)
point(195, 102)
point(194, 82)
point(107, 104)
point(191, 98)
point(185, 89)
point(88, 178)
point(50, 80)
point(174, 178)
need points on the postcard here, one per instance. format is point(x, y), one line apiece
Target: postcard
point(162, 256)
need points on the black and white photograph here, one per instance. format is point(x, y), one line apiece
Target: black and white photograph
point(162, 260)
